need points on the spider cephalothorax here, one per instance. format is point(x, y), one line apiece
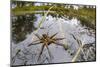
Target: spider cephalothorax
point(46, 40)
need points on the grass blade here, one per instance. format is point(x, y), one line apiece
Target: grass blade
point(43, 18)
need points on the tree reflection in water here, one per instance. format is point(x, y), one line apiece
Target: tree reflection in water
point(22, 26)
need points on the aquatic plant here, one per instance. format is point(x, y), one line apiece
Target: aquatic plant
point(86, 52)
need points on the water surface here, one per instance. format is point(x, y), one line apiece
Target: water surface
point(23, 29)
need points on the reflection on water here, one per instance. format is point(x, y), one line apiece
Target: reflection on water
point(23, 26)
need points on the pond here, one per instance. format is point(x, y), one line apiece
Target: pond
point(24, 28)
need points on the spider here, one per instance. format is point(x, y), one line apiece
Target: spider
point(46, 40)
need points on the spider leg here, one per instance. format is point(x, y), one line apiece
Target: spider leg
point(37, 36)
point(36, 41)
point(41, 51)
point(49, 51)
point(55, 39)
point(53, 35)
point(34, 44)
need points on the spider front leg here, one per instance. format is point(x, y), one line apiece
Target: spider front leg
point(37, 36)
point(34, 43)
point(56, 39)
point(53, 35)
